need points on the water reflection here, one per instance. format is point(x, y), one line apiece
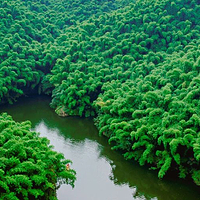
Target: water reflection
point(102, 174)
point(93, 169)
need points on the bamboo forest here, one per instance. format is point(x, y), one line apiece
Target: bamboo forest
point(132, 67)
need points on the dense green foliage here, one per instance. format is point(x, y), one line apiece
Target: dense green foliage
point(142, 62)
point(29, 168)
point(27, 46)
point(134, 66)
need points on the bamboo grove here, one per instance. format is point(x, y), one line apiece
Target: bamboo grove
point(131, 65)
point(29, 168)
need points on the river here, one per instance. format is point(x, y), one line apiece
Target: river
point(102, 174)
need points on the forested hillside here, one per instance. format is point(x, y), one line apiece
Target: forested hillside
point(132, 65)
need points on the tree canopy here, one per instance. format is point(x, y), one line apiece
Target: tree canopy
point(132, 65)
point(29, 168)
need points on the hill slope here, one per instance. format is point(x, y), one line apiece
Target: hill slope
point(134, 66)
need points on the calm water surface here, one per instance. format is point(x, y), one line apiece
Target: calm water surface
point(102, 174)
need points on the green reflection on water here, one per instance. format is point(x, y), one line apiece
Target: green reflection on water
point(101, 173)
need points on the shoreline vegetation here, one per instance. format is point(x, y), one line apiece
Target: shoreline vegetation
point(29, 168)
point(131, 65)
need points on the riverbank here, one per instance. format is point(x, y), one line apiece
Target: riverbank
point(101, 172)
